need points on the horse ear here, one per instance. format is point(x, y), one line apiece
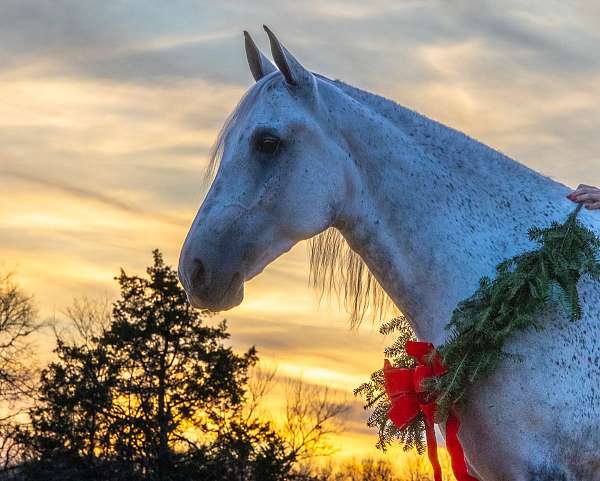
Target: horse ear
point(292, 70)
point(259, 64)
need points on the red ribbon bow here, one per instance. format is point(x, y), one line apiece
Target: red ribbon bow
point(404, 388)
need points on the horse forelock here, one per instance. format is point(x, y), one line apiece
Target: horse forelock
point(248, 100)
point(335, 269)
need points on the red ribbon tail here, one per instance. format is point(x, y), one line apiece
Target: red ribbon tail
point(457, 455)
point(429, 413)
point(432, 450)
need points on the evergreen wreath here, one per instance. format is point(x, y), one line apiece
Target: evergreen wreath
point(524, 286)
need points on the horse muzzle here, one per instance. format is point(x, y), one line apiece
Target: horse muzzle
point(208, 288)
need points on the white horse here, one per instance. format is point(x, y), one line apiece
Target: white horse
point(429, 211)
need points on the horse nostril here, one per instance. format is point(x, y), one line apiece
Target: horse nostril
point(199, 275)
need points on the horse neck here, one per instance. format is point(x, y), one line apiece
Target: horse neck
point(433, 210)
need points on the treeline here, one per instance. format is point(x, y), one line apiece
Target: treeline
point(147, 389)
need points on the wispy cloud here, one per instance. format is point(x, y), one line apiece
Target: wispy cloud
point(108, 110)
point(105, 200)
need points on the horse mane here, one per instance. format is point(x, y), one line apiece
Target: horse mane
point(335, 269)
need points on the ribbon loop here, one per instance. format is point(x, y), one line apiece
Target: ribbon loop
point(405, 390)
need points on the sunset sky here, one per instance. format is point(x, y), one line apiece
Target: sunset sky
point(108, 110)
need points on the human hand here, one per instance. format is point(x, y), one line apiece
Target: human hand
point(588, 195)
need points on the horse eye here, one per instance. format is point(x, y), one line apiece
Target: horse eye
point(268, 144)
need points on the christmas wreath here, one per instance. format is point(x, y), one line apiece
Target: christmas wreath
point(422, 385)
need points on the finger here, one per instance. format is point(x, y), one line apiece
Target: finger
point(574, 193)
point(584, 190)
point(574, 196)
point(593, 205)
point(586, 197)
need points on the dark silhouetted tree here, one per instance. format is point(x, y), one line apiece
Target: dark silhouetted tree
point(175, 370)
point(151, 393)
point(18, 321)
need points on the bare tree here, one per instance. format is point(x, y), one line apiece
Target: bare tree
point(377, 470)
point(11, 450)
point(89, 317)
point(261, 381)
point(17, 371)
point(416, 468)
point(366, 469)
point(313, 415)
point(17, 323)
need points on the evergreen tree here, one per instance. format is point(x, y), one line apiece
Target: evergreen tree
point(151, 392)
point(70, 420)
point(153, 395)
point(175, 371)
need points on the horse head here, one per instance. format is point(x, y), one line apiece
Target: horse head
point(281, 179)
